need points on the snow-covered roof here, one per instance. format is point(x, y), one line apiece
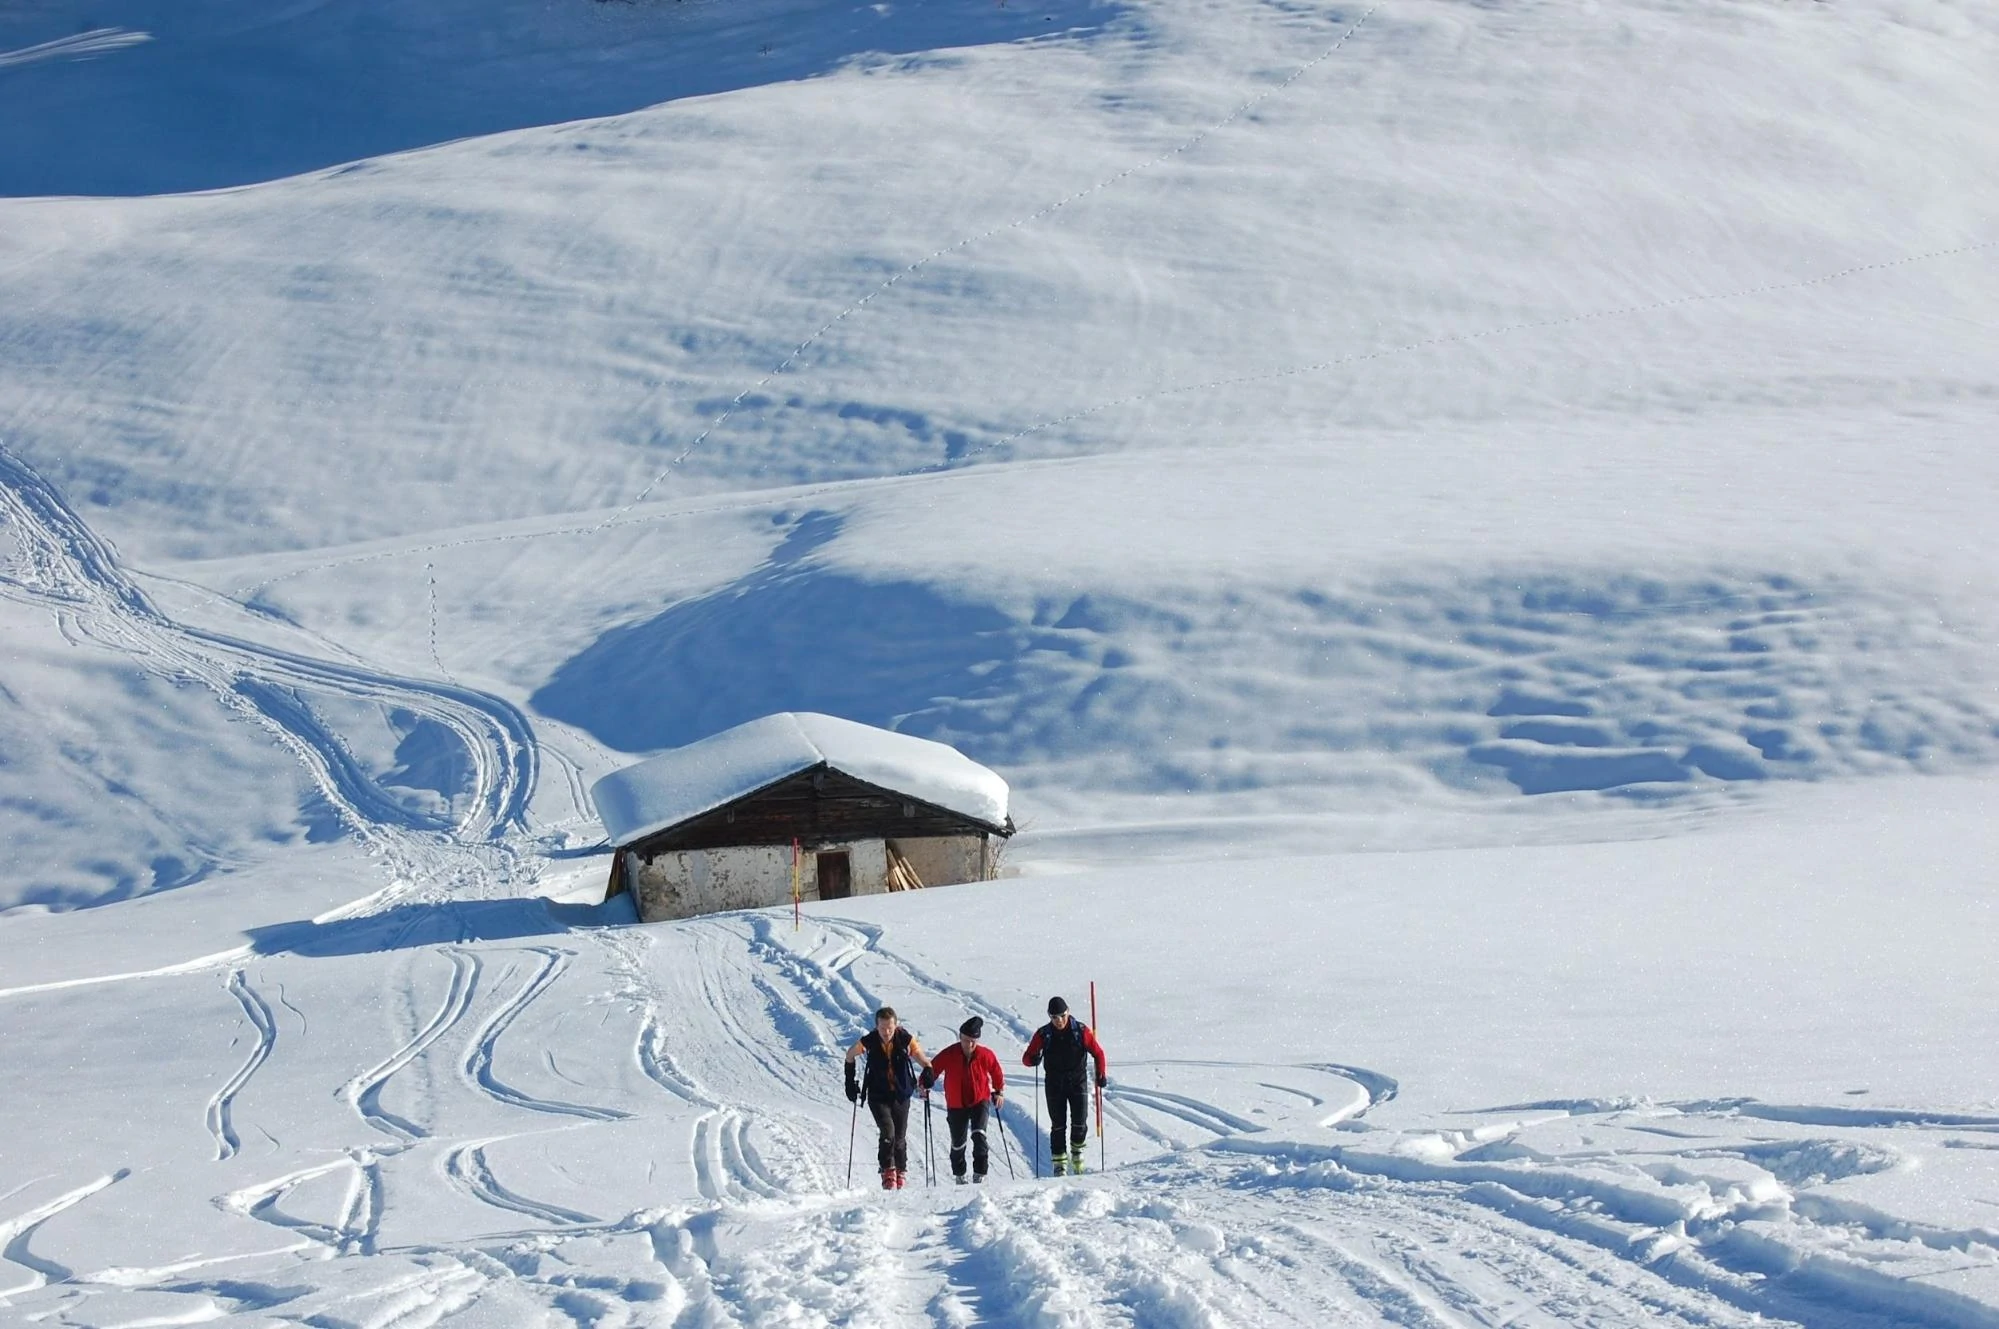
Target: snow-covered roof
point(682, 783)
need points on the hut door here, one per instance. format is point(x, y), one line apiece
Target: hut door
point(836, 877)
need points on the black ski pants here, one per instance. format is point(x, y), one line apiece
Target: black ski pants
point(1068, 1111)
point(892, 1120)
point(968, 1120)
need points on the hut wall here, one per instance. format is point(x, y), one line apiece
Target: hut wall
point(946, 860)
point(706, 881)
point(688, 882)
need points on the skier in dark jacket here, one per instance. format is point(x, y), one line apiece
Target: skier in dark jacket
point(973, 1085)
point(887, 1082)
point(1065, 1045)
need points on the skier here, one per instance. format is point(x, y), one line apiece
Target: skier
point(1064, 1043)
point(888, 1083)
point(973, 1084)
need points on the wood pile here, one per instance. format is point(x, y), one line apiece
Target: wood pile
point(901, 876)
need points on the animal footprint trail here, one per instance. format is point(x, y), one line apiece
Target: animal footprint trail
point(221, 1108)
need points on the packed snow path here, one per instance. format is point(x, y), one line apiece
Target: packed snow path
point(642, 1126)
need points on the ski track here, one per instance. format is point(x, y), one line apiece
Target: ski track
point(1408, 1250)
point(75, 572)
point(81, 46)
point(726, 1165)
point(1811, 1263)
point(1238, 1227)
point(1190, 1110)
point(1077, 1254)
point(467, 1166)
point(17, 1232)
point(363, 1092)
point(479, 1060)
point(723, 1156)
point(261, 1202)
point(220, 1108)
point(361, 1217)
point(825, 979)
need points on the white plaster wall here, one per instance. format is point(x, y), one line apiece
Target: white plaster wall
point(706, 881)
point(944, 860)
point(690, 882)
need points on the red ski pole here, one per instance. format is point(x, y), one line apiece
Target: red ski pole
point(1103, 1151)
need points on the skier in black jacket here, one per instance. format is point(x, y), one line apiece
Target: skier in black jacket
point(1065, 1044)
point(888, 1082)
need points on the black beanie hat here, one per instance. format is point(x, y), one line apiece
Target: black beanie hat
point(973, 1028)
point(1057, 1006)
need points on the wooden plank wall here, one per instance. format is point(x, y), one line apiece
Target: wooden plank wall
point(820, 806)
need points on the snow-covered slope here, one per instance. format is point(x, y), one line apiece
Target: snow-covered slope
point(1552, 438)
point(1411, 360)
point(1636, 1083)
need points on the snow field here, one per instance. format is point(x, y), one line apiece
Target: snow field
point(534, 1121)
point(1424, 208)
point(1558, 434)
point(1336, 317)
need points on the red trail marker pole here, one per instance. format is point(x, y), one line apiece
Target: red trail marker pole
point(1103, 1151)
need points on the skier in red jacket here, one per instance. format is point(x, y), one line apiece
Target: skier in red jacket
point(1067, 1044)
point(973, 1083)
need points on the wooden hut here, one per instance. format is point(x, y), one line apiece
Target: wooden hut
point(804, 802)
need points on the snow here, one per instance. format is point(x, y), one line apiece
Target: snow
point(1463, 529)
point(676, 786)
point(1492, 1079)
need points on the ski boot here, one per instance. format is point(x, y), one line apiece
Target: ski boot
point(899, 1174)
point(1076, 1161)
point(958, 1177)
point(888, 1178)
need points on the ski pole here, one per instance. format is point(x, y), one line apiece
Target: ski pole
point(851, 1127)
point(929, 1150)
point(1006, 1145)
point(1103, 1150)
point(1037, 1123)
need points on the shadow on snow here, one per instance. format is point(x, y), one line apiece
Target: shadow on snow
point(440, 924)
point(167, 96)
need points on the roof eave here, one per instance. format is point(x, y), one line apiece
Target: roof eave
point(1004, 830)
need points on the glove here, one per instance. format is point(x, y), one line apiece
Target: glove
point(927, 1079)
point(1102, 1079)
point(853, 1085)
